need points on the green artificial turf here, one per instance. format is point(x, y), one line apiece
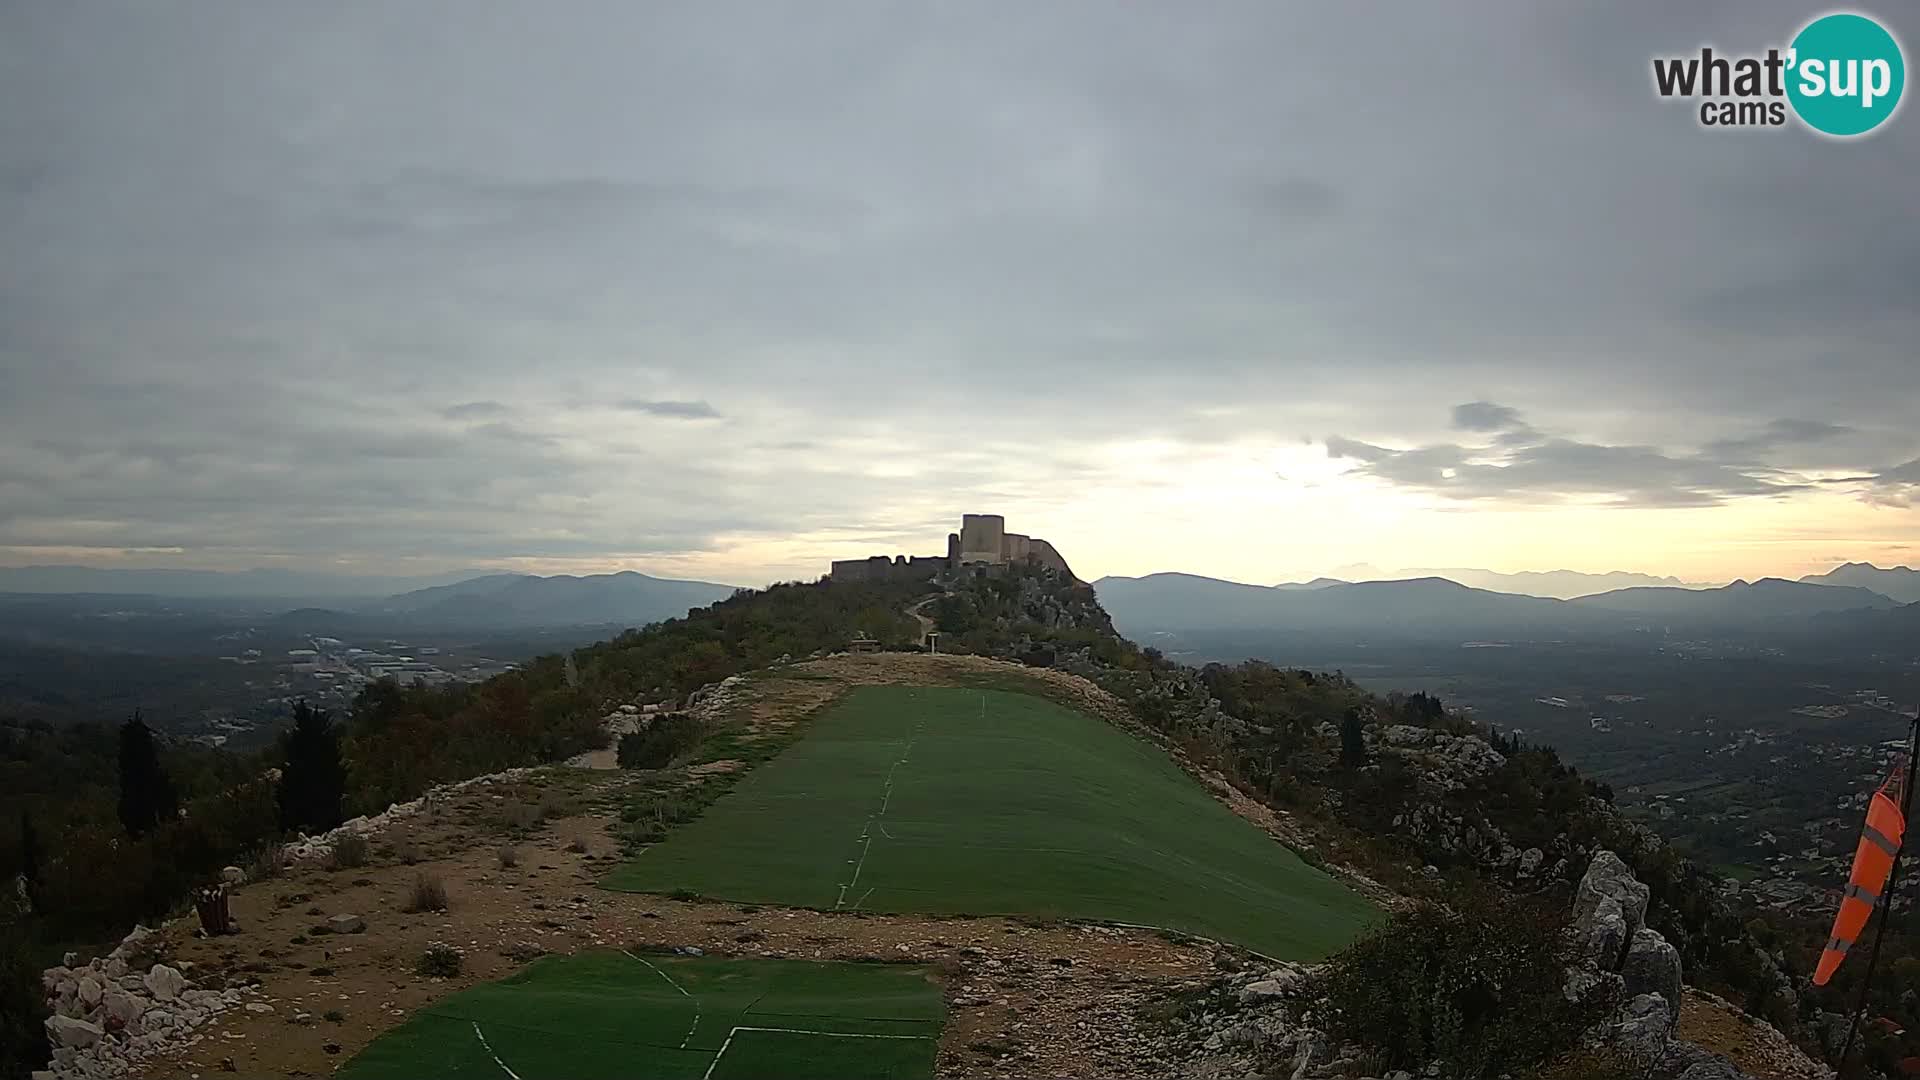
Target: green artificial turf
point(961, 801)
point(604, 1015)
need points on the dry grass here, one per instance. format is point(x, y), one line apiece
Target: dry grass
point(429, 894)
point(351, 851)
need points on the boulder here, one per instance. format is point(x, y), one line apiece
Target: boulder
point(346, 924)
point(1530, 861)
point(66, 1031)
point(90, 990)
point(165, 983)
point(1645, 1026)
point(1263, 990)
point(233, 875)
point(123, 1008)
point(1652, 966)
point(1603, 935)
point(1608, 893)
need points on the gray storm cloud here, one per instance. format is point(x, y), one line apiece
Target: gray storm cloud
point(469, 282)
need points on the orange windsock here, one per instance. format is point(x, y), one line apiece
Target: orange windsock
point(1872, 862)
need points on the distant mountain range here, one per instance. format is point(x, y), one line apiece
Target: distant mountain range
point(1433, 606)
point(1902, 583)
point(627, 598)
point(1558, 584)
point(215, 584)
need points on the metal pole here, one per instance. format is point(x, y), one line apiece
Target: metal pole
point(1886, 911)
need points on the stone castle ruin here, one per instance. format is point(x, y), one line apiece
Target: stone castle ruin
point(983, 546)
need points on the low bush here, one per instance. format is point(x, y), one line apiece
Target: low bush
point(269, 863)
point(350, 851)
point(440, 960)
point(509, 857)
point(1475, 984)
point(429, 894)
point(669, 736)
point(408, 850)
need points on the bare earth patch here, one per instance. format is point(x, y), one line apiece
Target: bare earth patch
point(1757, 1048)
point(1024, 999)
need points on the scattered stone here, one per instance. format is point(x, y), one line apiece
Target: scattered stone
point(122, 1008)
point(68, 1031)
point(165, 983)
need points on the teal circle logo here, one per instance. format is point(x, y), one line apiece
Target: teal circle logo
point(1845, 74)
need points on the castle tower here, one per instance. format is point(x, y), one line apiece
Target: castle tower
point(983, 538)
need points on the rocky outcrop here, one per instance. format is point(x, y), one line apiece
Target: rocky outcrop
point(1652, 966)
point(1609, 908)
point(1616, 946)
point(116, 1011)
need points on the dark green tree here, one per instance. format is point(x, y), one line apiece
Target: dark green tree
point(146, 795)
point(313, 782)
point(1353, 740)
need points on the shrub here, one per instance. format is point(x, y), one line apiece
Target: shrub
point(578, 847)
point(407, 850)
point(23, 1009)
point(350, 850)
point(429, 894)
point(334, 1016)
point(509, 857)
point(440, 960)
point(270, 863)
point(520, 817)
point(1474, 984)
point(670, 735)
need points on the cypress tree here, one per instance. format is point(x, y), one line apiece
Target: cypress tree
point(1353, 740)
point(146, 795)
point(313, 782)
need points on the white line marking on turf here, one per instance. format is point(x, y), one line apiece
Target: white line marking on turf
point(481, 1035)
point(866, 831)
point(676, 986)
point(863, 897)
point(718, 1054)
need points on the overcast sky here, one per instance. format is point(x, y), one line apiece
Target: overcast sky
point(727, 290)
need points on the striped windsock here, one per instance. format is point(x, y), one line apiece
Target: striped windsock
point(1872, 862)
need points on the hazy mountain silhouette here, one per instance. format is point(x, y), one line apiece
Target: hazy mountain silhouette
point(1560, 584)
point(1438, 607)
point(1899, 582)
point(501, 600)
point(238, 584)
point(1176, 602)
point(1766, 598)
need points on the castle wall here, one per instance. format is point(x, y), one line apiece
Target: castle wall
point(882, 568)
point(1015, 547)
